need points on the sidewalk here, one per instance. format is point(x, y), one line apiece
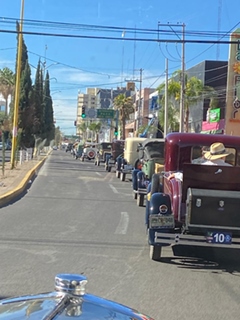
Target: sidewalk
point(15, 181)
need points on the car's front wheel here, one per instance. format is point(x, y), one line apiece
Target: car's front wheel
point(155, 252)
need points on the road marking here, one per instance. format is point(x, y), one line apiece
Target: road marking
point(123, 224)
point(98, 173)
point(113, 188)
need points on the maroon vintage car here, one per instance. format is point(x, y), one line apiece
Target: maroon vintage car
point(202, 210)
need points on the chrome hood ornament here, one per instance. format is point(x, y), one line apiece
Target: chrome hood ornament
point(69, 300)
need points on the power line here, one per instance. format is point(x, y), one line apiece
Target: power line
point(64, 35)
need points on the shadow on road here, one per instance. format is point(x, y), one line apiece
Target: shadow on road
point(215, 260)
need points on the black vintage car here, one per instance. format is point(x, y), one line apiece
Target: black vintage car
point(116, 150)
point(151, 158)
point(104, 149)
point(68, 301)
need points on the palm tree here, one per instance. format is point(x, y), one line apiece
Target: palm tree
point(82, 127)
point(95, 127)
point(173, 117)
point(7, 82)
point(194, 92)
point(125, 107)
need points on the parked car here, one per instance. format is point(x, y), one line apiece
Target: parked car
point(69, 147)
point(116, 151)
point(130, 159)
point(104, 149)
point(199, 211)
point(89, 151)
point(68, 301)
point(151, 158)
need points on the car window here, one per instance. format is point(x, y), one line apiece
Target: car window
point(197, 155)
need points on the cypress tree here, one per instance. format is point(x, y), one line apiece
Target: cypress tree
point(26, 109)
point(49, 128)
point(38, 103)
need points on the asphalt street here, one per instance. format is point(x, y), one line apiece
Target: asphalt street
point(78, 218)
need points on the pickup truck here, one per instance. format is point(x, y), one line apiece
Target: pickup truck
point(202, 210)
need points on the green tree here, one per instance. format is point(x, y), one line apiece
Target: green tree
point(7, 83)
point(58, 136)
point(194, 92)
point(48, 120)
point(95, 127)
point(82, 127)
point(38, 102)
point(173, 117)
point(125, 107)
point(26, 108)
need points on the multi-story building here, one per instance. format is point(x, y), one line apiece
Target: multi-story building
point(212, 74)
point(89, 101)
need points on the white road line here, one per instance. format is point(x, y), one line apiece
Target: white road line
point(123, 224)
point(98, 173)
point(113, 188)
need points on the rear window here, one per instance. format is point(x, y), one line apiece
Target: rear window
point(199, 151)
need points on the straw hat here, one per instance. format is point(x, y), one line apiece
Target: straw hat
point(217, 151)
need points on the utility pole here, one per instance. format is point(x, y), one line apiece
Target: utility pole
point(136, 121)
point(140, 99)
point(181, 121)
point(166, 102)
point(17, 89)
point(181, 127)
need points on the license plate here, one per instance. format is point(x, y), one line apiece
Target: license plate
point(160, 221)
point(219, 237)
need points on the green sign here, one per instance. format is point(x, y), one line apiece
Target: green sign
point(105, 113)
point(214, 115)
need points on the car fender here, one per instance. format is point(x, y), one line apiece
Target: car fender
point(141, 179)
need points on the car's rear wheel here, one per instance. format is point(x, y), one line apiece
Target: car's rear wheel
point(122, 176)
point(155, 252)
point(118, 174)
point(140, 200)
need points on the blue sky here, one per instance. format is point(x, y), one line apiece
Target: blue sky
point(77, 63)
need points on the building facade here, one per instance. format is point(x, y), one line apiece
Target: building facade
point(212, 74)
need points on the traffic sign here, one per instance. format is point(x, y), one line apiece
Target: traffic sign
point(91, 113)
point(105, 113)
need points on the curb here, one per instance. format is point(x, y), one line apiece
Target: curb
point(15, 193)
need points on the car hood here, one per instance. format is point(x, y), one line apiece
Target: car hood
point(69, 300)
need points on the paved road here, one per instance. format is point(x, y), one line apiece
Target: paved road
point(78, 218)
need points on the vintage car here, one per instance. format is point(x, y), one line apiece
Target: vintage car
point(69, 147)
point(202, 210)
point(78, 151)
point(116, 151)
point(68, 301)
point(151, 158)
point(104, 149)
point(89, 151)
point(130, 159)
